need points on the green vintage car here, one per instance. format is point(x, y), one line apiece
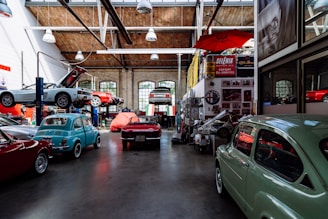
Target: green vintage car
point(276, 166)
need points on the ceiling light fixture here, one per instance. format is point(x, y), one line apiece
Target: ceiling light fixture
point(144, 7)
point(79, 56)
point(154, 57)
point(4, 9)
point(48, 37)
point(320, 5)
point(151, 35)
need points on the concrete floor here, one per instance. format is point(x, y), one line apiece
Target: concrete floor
point(174, 181)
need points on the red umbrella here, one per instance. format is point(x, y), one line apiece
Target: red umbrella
point(223, 40)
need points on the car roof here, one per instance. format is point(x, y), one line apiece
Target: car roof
point(66, 115)
point(305, 129)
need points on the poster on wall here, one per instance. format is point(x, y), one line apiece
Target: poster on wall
point(225, 66)
point(237, 95)
point(275, 17)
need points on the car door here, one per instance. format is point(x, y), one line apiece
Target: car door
point(13, 158)
point(79, 131)
point(25, 95)
point(88, 130)
point(237, 162)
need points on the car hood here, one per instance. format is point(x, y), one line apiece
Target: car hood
point(28, 130)
point(70, 79)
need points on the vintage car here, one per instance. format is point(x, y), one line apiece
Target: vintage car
point(18, 157)
point(276, 166)
point(69, 133)
point(317, 96)
point(100, 98)
point(122, 119)
point(62, 94)
point(160, 95)
point(142, 132)
point(16, 130)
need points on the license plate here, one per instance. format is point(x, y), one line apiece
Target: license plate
point(140, 138)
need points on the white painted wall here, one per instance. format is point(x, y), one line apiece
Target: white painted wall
point(19, 48)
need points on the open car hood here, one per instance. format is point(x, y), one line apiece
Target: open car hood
point(70, 79)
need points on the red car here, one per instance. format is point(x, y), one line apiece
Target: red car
point(317, 96)
point(147, 132)
point(21, 156)
point(100, 98)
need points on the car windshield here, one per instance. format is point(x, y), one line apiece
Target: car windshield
point(324, 147)
point(7, 121)
point(160, 90)
point(55, 121)
point(45, 86)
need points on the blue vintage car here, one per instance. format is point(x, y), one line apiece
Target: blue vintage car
point(69, 133)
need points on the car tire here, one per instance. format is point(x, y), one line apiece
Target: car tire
point(40, 164)
point(78, 104)
point(325, 98)
point(97, 142)
point(223, 132)
point(125, 145)
point(63, 100)
point(7, 100)
point(218, 181)
point(77, 150)
point(95, 101)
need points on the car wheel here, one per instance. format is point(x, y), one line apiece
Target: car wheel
point(97, 143)
point(63, 100)
point(218, 179)
point(40, 164)
point(95, 101)
point(325, 99)
point(223, 132)
point(125, 145)
point(77, 150)
point(7, 100)
point(78, 104)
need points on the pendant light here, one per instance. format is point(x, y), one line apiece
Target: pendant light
point(144, 7)
point(151, 35)
point(4, 9)
point(154, 57)
point(79, 56)
point(48, 37)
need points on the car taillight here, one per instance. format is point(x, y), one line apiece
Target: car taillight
point(151, 95)
point(167, 95)
point(63, 142)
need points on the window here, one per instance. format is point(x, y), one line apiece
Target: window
point(284, 88)
point(277, 155)
point(77, 123)
point(144, 89)
point(315, 20)
point(244, 139)
point(111, 87)
point(85, 84)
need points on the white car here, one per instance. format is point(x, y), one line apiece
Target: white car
point(61, 94)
